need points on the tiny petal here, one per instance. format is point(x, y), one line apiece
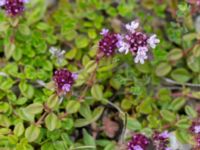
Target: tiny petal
point(2, 2)
point(26, 1)
point(66, 87)
point(197, 129)
point(53, 50)
point(104, 31)
point(132, 26)
point(124, 47)
point(164, 134)
point(137, 147)
point(141, 55)
point(153, 41)
point(75, 76)
point(168, 148)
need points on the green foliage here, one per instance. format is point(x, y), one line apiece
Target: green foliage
point(135, 97)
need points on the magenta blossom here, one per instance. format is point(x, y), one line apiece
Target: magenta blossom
point(138, 142)
point(137, 42)
point(108, 43)
point(161, 140)
point(13, 7)
point(64, 80)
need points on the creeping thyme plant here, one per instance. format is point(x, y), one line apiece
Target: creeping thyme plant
point(99, 74)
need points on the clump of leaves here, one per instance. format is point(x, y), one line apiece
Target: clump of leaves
point(159, 95)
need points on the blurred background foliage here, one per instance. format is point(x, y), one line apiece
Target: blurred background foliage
point(123, 97)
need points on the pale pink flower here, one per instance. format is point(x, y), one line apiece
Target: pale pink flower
point(197, 129)
point(104, 31)
point(2, 2)
point(123, 47)
point(153, 41)
point(141, 55)
point(132, 26)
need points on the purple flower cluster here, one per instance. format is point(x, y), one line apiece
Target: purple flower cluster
point(161, 141)
point(138, 142)
point(135, 42)
point(141, 142)
point(108, 43)
point(195, 130)
point(13, 7)
point(64, 80)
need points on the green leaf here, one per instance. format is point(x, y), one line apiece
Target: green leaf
point(6, 84)
point(42, 26)
point(175, 54)
point(126, 104)
point(32, 133)
point(26, 89)
point(183, 123)
point(9, 50)
point(95, 116)
point(90, 66)
point(190, 111)
point(71, 54)
point(34, 108)
point(97, 92)
point(72, 106)
point(81, 42)
point(177, 104)
point(4, 121)
point(181, 75)
point(168, 116)
point(163, 69)
point(24, 29)
point(19, 129)
point(53, 101)
point(193, 63)
point(51, 121)
point(25, 115)
point(196, 50)
point(88, 139)
point(146, 106)
point(5, 131)
point(183, 136)
point(133, 124)
point(85, 111)
point(4, 107)
point(144, 68)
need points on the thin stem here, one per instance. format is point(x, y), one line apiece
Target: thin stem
point(184, 84)
point(90, 81)
point(84, 147)
point(41, 118)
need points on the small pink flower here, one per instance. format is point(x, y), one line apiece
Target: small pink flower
point(123, 47)
point(75, 76)
point(137, 147)
point(141, 55)
point(108, 44)
point(164, 134)
point(64, 80)
point(104, 31)
point(138, 142)
point(2, 2)
point(26, 1)
point(153, 41)
point(197, 129)
point(132, 26)
point(66, 87)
